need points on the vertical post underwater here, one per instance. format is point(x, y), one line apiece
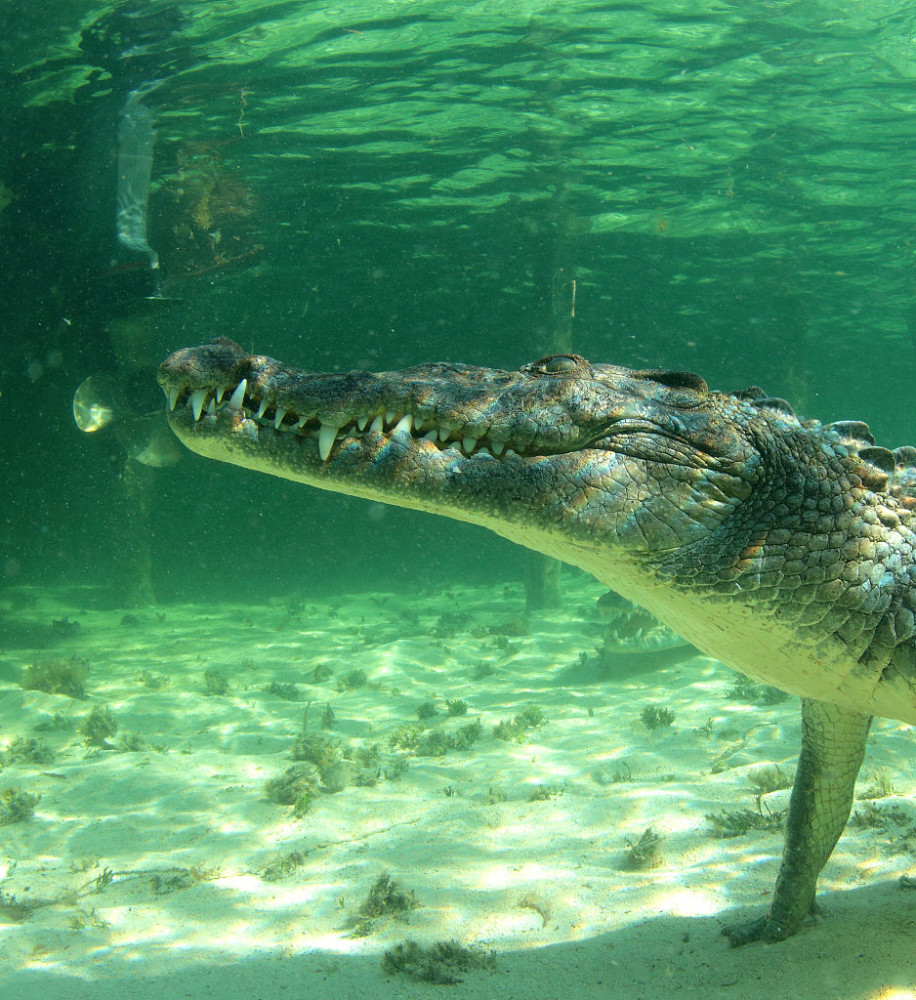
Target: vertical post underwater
point(132, 573)
point(134, 348)
point(556, 292)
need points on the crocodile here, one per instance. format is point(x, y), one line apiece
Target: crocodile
point(782, 547)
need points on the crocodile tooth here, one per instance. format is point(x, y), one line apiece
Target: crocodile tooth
point(404, 424)
point(300, 423)
point(173, 397)
point(221, 391)
point(443, 433)
point(418, 423)
point(497, 447)
point(262, 409)
point(278, 419)
point(211, 408)
point(361, 423)
point(377, 424)
point(249, 429)
point(391, 416)
point(197, 402)
point(238, 397)
point(469, 444)
point(432, 435)
point(326, 438)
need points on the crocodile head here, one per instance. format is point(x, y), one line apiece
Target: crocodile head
point(573, 459)
point(731, 520)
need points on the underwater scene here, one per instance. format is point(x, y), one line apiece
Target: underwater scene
point(486, 674)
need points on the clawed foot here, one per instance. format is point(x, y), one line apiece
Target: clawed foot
point(762, 929)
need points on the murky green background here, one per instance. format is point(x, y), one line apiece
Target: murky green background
point(371, 184)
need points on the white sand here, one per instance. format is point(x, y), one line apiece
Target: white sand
point(142, 872)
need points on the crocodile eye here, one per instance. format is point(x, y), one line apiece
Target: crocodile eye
point(559, 363)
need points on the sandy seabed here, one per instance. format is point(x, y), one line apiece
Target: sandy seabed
point(158, 863)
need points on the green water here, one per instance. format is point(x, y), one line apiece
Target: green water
point(370, 184)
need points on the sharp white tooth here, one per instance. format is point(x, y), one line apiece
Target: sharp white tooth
point(497, 447)
point(378, 424)
point(483, 450)
point(404, 424)
point(211, 408)
point(443, 433)
point(173, 397)
point(431, 436)
point(361, 423)
point(262, 409)
point(220, 392)
point(390, 416)
point(300, 423)
point(238, 397)
point(278, 419)
point(418, 423)
point(326, 438)
point(469, 444)
point(197, 402)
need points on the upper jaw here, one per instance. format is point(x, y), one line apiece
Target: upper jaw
point(450, 406)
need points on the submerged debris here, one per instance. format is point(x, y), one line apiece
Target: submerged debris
point(16, 806)
point(443, 962)
point(320, 672)
point(769, 778)
point(532, 902)
point(544, 793)
point(407, 737)
point(874, 817)
point(154, 681)
point(745, 689)
point(283, 867)
point(645, 852)
point(27, 751)
point(656, 718)
point(740, 821)
point(386, 899)
point(439, 743)
point(320, 750)
point(66, 677)
point(97, 726)
point(354, 679)
point(512, 627)
point(288, 692)
point(215, 684)
point(295, 787)
point(531, 718)
point(20, 910)
point(339, 775)
point(880, 788)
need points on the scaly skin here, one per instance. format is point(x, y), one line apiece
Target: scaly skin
point(784, 548)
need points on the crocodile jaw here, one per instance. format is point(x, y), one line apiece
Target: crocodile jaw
point(382, 454)
point(533, 455)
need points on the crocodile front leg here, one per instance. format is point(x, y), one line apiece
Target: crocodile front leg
point(833, 745)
